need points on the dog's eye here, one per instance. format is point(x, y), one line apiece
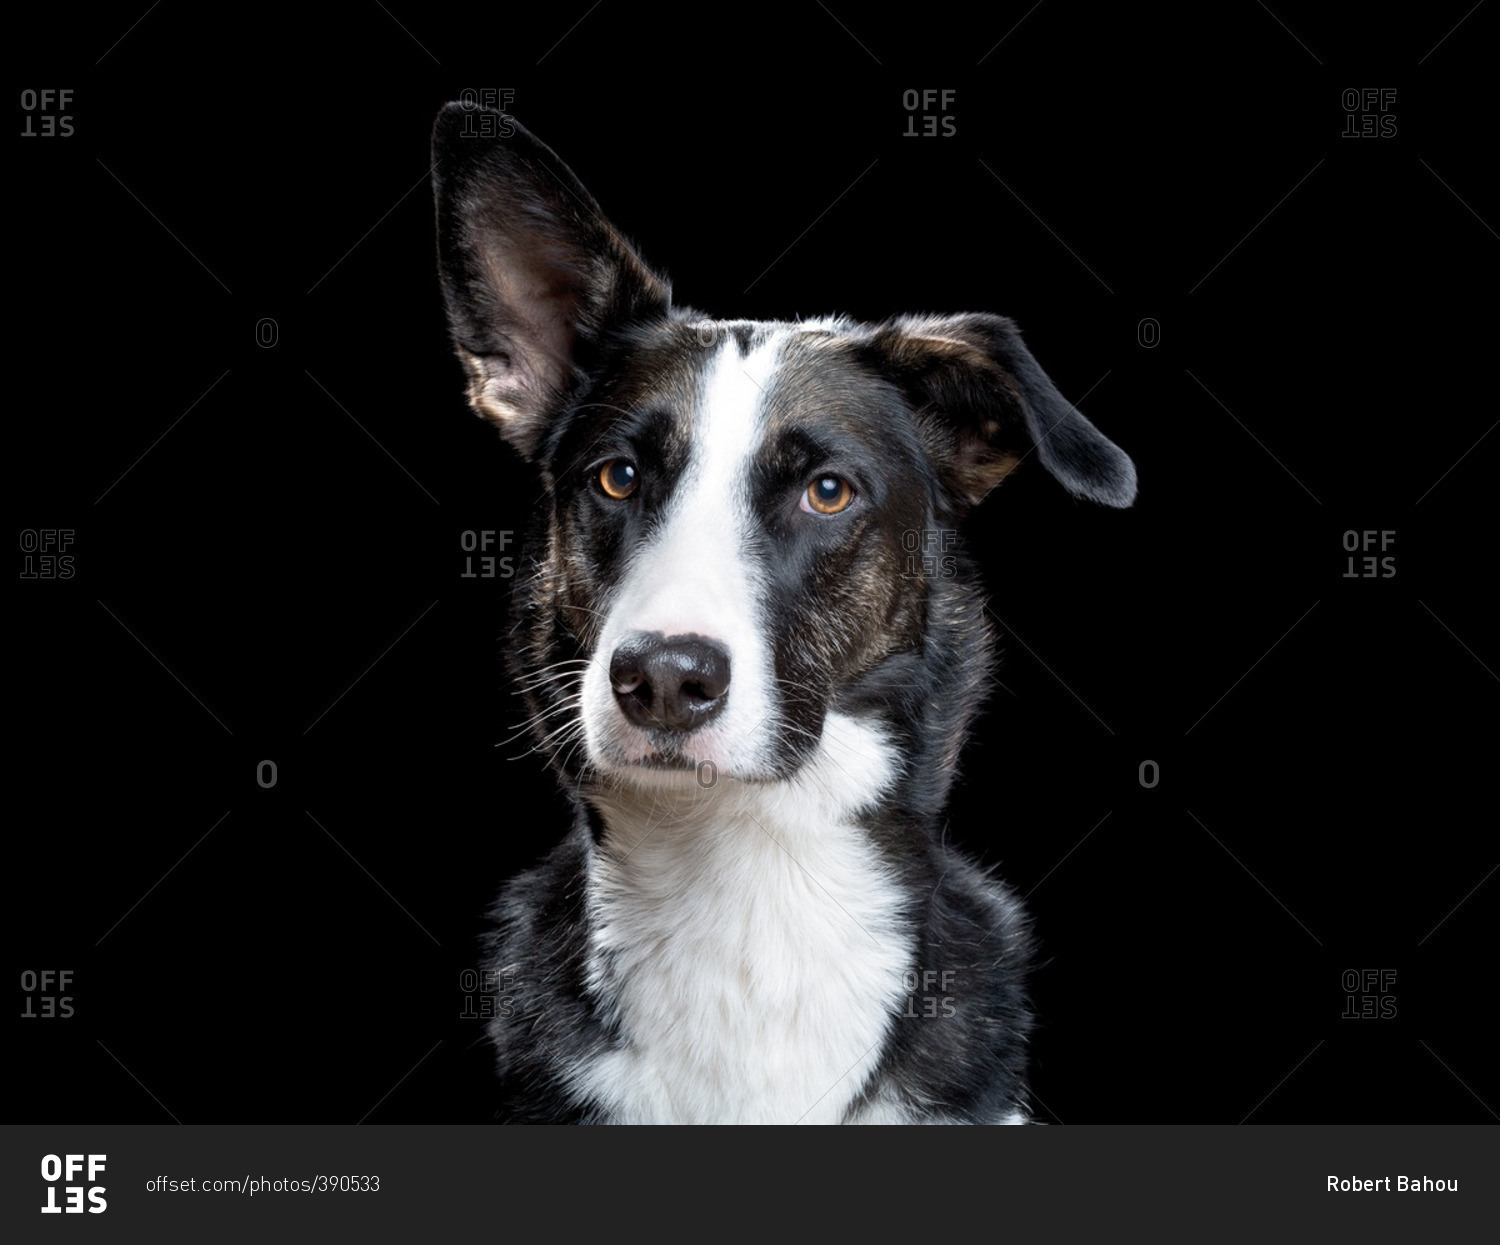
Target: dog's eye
point(827, 495)
point(618, 478)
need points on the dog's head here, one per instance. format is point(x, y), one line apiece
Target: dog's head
point(747, 520)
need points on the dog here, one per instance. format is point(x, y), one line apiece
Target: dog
point(754, 692)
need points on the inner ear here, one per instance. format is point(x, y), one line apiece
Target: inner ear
point(978, 468)
point(986, 406)
point(516, 331)
point(533, 274)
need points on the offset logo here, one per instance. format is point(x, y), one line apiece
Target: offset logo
point(928, 115)
point(491, 116)
point(1369, 112)
point(72, 1166)
point(44, 115)
point(488, 565)
point(1370, 567)
point(46, 553)
point(43, 994)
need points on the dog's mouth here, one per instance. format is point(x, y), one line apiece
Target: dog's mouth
point(676, 762)
point(668, 758)
point(675, 758)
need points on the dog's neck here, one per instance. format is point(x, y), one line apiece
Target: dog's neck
point(751, 945)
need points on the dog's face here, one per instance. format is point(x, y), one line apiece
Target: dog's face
point(730, 502)
point(739, 511)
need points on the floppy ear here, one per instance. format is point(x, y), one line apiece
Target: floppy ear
point(532, 273)
point(986, 405)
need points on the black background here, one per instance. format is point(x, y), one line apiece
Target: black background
point(1325, 744)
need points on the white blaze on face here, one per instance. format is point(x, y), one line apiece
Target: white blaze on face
point(697, 576)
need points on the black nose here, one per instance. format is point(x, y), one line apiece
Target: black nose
point(677, 682)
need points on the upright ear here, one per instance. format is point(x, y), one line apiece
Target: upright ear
point(532, 273)
point(986, 404)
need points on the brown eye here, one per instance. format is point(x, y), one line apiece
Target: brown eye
point(827, 495)
point(618, 478)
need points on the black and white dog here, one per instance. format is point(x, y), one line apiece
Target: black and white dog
point(754, 691)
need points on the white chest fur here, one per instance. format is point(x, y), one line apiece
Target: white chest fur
point(747, 938)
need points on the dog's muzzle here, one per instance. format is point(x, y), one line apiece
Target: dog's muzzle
point(675, 683)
